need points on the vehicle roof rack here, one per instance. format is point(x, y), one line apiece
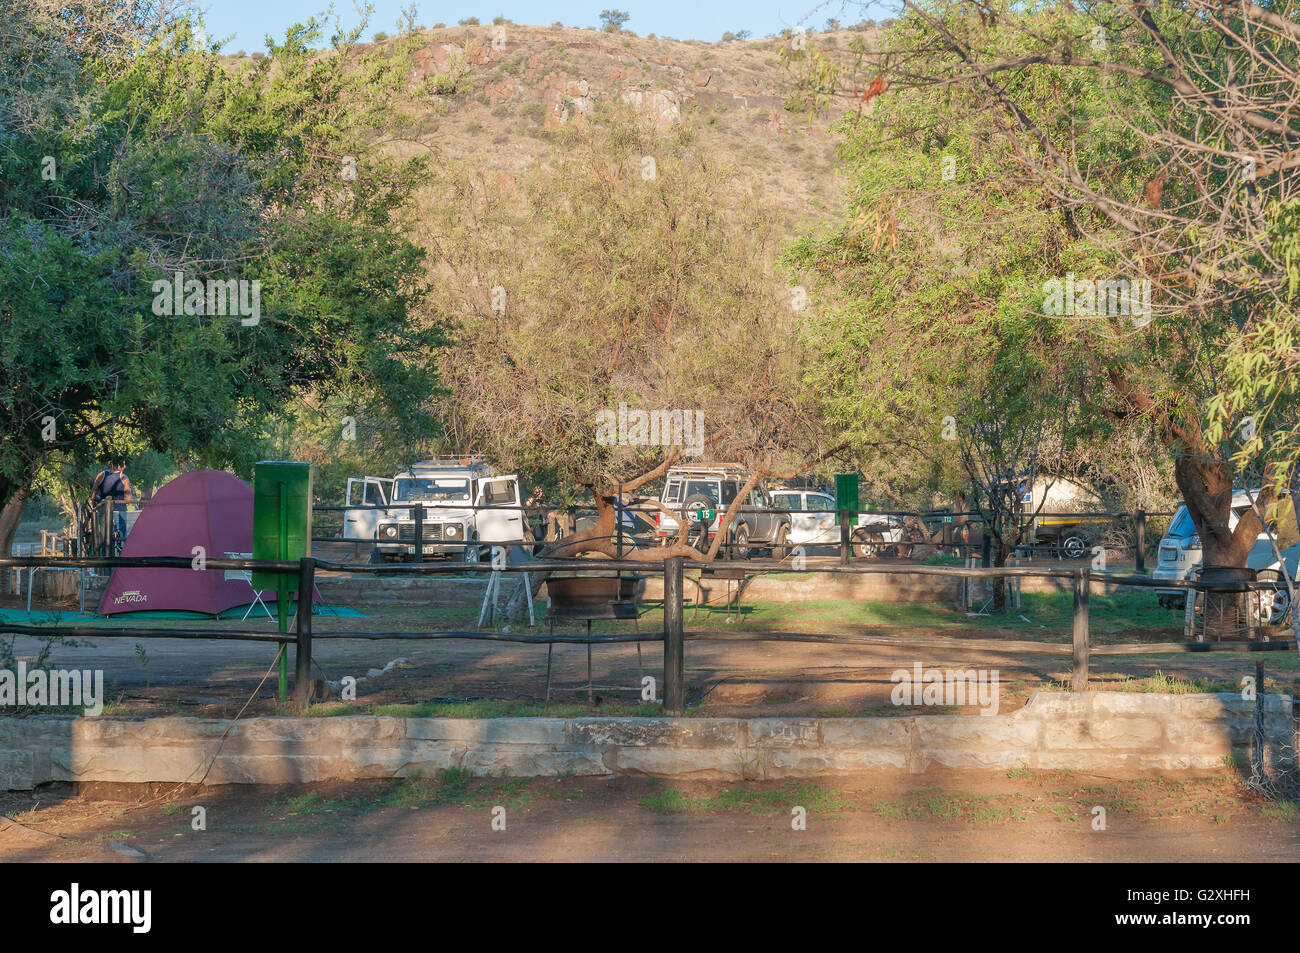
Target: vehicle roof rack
point(465, 461)
point(693, 465)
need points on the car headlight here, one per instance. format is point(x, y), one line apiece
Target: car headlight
point(452, 530)
point(390, 531)
point(1193, 542)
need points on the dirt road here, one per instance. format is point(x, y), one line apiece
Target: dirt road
point(940, 816)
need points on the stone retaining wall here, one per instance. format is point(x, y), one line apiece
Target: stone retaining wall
point(1099, 732)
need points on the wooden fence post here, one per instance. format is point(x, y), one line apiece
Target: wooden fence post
point(302, 655)
point(1141, 535)
point(846, 545)
point(1082, 584)
point(674, 660)
point(1257, 732)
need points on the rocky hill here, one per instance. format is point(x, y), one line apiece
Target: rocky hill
point(503, 88)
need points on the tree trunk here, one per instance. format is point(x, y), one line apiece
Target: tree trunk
point(1207, 490)
point(10, 516)
point(1000, 553)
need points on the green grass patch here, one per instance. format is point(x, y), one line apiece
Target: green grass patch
point(811, 797)
point(933, 804)
point(304, 813)
point(1288, 811)
point(1171, 685)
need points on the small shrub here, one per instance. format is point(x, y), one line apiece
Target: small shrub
point(611, 21)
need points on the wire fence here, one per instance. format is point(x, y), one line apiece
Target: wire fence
point(674, 634)
point(417, 530)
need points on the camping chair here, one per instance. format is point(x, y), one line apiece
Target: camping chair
point(586, 599)
point(733, 576)
point(247, 576)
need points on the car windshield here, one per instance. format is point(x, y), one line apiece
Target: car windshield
point(1182, 526)
point(702, 488)
point(435, 490)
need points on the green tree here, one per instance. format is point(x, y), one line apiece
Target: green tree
point(635, 270)
point(165, 161)
point(611, 21)
point(1119, 141)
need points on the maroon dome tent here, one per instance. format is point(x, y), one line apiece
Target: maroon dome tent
point(208, 508)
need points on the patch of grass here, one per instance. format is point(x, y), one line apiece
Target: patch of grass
point(932, 803)
point(311, 812)
point(117, 835)
point(1286, 811)
point(1062, 812)
point(940, 559)
point(1170, 685)
point(1110, 798)
point(671, 801)
point(811, 797)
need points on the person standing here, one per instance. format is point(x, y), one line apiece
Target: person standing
point(113, 484)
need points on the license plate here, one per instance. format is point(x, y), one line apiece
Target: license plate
point(429, 549)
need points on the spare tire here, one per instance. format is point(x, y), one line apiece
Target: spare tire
point(697, 533)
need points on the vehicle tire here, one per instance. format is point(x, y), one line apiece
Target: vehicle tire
point(780, 548)
point(696, 535)
point(739, 543)
point(1074, 546)
point(1274, 607)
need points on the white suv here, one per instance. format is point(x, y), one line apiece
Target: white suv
point(874, 534)
point(707, 487)
point(1179, 556)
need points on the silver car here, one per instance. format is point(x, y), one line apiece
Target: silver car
point(705, 492)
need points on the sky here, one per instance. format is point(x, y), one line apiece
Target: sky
point(246, 22)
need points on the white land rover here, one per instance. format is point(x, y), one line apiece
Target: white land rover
point(467, 510)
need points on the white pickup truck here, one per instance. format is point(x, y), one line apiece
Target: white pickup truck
point(467, 510)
